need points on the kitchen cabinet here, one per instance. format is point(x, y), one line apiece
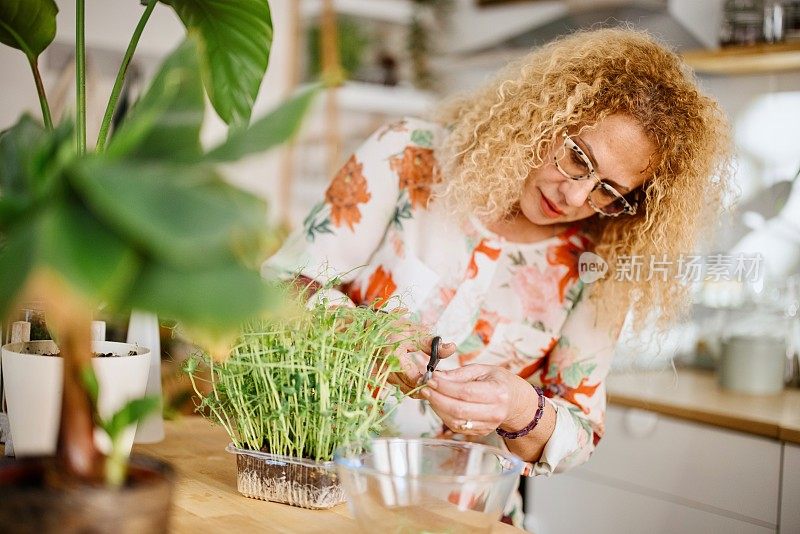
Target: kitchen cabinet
point(657, 474)
point(571, 503)
point(753, 59)
point(790, 490)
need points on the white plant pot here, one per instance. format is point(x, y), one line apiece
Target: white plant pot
point(34, 383)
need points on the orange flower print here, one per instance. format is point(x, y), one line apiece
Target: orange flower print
point(556, 387)
point(398, 245)
point(434, 306)
point(482, 248)
point(481, 335)
point(538, 364)
point(380, 287)
point(398, 126)
point(567, 253)
point(417, 170)
point(347, 190)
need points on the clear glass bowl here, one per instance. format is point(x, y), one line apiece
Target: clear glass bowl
point(426, 485)
point(286, 479)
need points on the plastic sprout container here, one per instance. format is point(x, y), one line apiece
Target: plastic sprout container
point(286, 479)
point(426, 485)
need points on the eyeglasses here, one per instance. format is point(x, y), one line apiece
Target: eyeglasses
point(573, 163)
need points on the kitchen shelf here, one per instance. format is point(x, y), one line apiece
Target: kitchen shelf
point(374, 98)
point(754, 59)
point(396, 11)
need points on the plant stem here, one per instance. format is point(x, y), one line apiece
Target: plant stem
point(76, 436)
point(123, 70)
point(37, 77)
point(80, 72)
point(116, 468)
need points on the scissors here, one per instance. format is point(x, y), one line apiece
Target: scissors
point(433, 362)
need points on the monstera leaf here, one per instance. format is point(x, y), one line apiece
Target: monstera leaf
point(28, 25)
point(235, 37)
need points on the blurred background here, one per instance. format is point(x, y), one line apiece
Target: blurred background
point(709, 447)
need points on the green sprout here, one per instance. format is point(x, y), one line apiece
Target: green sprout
point(304, 384)
point(134, 411)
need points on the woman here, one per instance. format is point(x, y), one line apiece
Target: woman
point(476, 220)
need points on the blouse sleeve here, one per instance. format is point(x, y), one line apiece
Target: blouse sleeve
point(574, 380)
point(342, 231)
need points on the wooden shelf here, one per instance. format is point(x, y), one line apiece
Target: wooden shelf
point(755, 59)
point(396, 11)
point(373, 98)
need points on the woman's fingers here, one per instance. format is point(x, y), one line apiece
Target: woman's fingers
point(479, 392)
point(445, 348)
point(468, 373)
point(454, 413)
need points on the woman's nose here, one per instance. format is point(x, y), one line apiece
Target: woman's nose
point(576, 191)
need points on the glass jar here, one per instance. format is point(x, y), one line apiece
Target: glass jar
point(753, 350)
point(773, 21)
point(791, 20)
point(742, 22)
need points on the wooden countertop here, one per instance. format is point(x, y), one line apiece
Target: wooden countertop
point(206, 499)
point(695, 395)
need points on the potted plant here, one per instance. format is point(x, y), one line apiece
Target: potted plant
point(34, 374)
point(296, 388)
point(142, 221)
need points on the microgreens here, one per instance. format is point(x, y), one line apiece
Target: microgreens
point(304, 384)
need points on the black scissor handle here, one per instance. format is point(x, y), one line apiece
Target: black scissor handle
point(434, 361)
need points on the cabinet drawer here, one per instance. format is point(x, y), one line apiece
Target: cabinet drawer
point(720, 468)
point(566, 504)
point(790, 496)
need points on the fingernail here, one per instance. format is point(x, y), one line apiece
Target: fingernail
point(449, 345)
point(425, 393)
point(433, 383)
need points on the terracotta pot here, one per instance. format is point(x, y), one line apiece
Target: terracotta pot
point(33, 385)
point(29, 506)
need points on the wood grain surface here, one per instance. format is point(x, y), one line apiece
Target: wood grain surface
point(206, 499)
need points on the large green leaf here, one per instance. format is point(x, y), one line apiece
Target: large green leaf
point(216, 299)
point(236, 36)
point(31, 162)
point(184, 216)
point(278, 126)
point(17, 147)
point(86, 253)
point(165, 123)
point(17, 253)
point(28, 25)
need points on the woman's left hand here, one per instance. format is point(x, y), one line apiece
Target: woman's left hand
point(476, 399)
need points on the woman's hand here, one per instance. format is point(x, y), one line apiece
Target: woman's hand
point(414, 353)
point(488, 396)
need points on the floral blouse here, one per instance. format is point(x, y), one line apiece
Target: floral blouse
point(518, 306)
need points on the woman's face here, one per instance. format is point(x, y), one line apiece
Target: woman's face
point(620, 153)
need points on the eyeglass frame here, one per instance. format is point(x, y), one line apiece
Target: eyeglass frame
point(569, 144)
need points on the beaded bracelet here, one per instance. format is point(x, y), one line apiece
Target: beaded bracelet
point(525, 431)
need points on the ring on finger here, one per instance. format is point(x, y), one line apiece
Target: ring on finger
point(466, 425)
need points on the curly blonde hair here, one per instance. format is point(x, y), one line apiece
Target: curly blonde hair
point(500, 132)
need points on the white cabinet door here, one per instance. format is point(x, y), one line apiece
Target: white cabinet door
point(724, 471)
point(567, 504)
point(790, 494)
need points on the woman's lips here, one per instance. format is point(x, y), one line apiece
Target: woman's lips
point(548, 208)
